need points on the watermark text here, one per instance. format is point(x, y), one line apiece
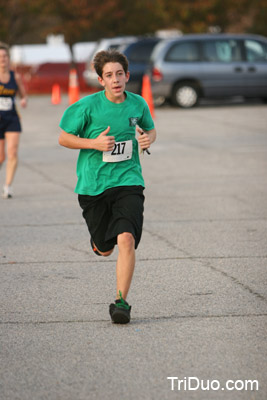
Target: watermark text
point(194, 383)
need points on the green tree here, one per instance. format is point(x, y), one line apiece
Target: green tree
point(139, 17)
point(259, 24)
point(29, 21)
point(196, 16)
point(19, 20)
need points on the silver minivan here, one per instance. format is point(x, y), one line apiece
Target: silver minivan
point(191, 67)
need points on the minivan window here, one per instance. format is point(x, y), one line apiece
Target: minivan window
point(114, 46)
point(141, 52)
point(183, 52)
point(222, 51)
point(255, 51)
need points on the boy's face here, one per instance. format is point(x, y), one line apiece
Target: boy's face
point(114, 80)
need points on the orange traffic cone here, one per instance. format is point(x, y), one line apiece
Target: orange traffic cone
point(56, 97)
point(74, 90)
point(147, 94)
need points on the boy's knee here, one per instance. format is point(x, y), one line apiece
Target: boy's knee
point(106, 253)
point(126, 239)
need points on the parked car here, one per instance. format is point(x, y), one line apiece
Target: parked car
point(138, 54)
point(89, 74)
point(191, 67)
point(39, 79)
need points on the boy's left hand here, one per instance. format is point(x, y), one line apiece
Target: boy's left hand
point(143, 139)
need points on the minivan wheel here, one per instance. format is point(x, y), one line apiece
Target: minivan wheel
point(159, 101)
point(185, 95)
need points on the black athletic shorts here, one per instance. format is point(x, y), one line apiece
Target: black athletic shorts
point(9, 123)
point(112, 212)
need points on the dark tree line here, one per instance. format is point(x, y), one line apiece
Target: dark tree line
point(30, 21)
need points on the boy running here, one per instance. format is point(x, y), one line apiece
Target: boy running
point(110, 183)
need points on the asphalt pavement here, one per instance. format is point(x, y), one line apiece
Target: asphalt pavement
point(198, 296)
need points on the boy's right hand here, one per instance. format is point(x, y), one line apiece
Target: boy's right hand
point(104, 142)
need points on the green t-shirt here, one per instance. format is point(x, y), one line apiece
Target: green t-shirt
point(90, 116)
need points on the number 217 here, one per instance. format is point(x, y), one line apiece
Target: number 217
point(118, 149)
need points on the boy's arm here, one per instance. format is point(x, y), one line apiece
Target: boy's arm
point(146, 138)
point(101, 143)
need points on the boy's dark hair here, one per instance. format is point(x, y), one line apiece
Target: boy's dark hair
point(103, 57)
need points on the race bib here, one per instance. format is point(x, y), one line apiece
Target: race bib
point(121, 151)
point(5, 103)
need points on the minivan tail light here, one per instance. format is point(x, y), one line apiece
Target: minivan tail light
point(156, 75)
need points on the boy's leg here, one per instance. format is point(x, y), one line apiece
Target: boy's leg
point(120, 311)
point(97, 218)
point(125, 263)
